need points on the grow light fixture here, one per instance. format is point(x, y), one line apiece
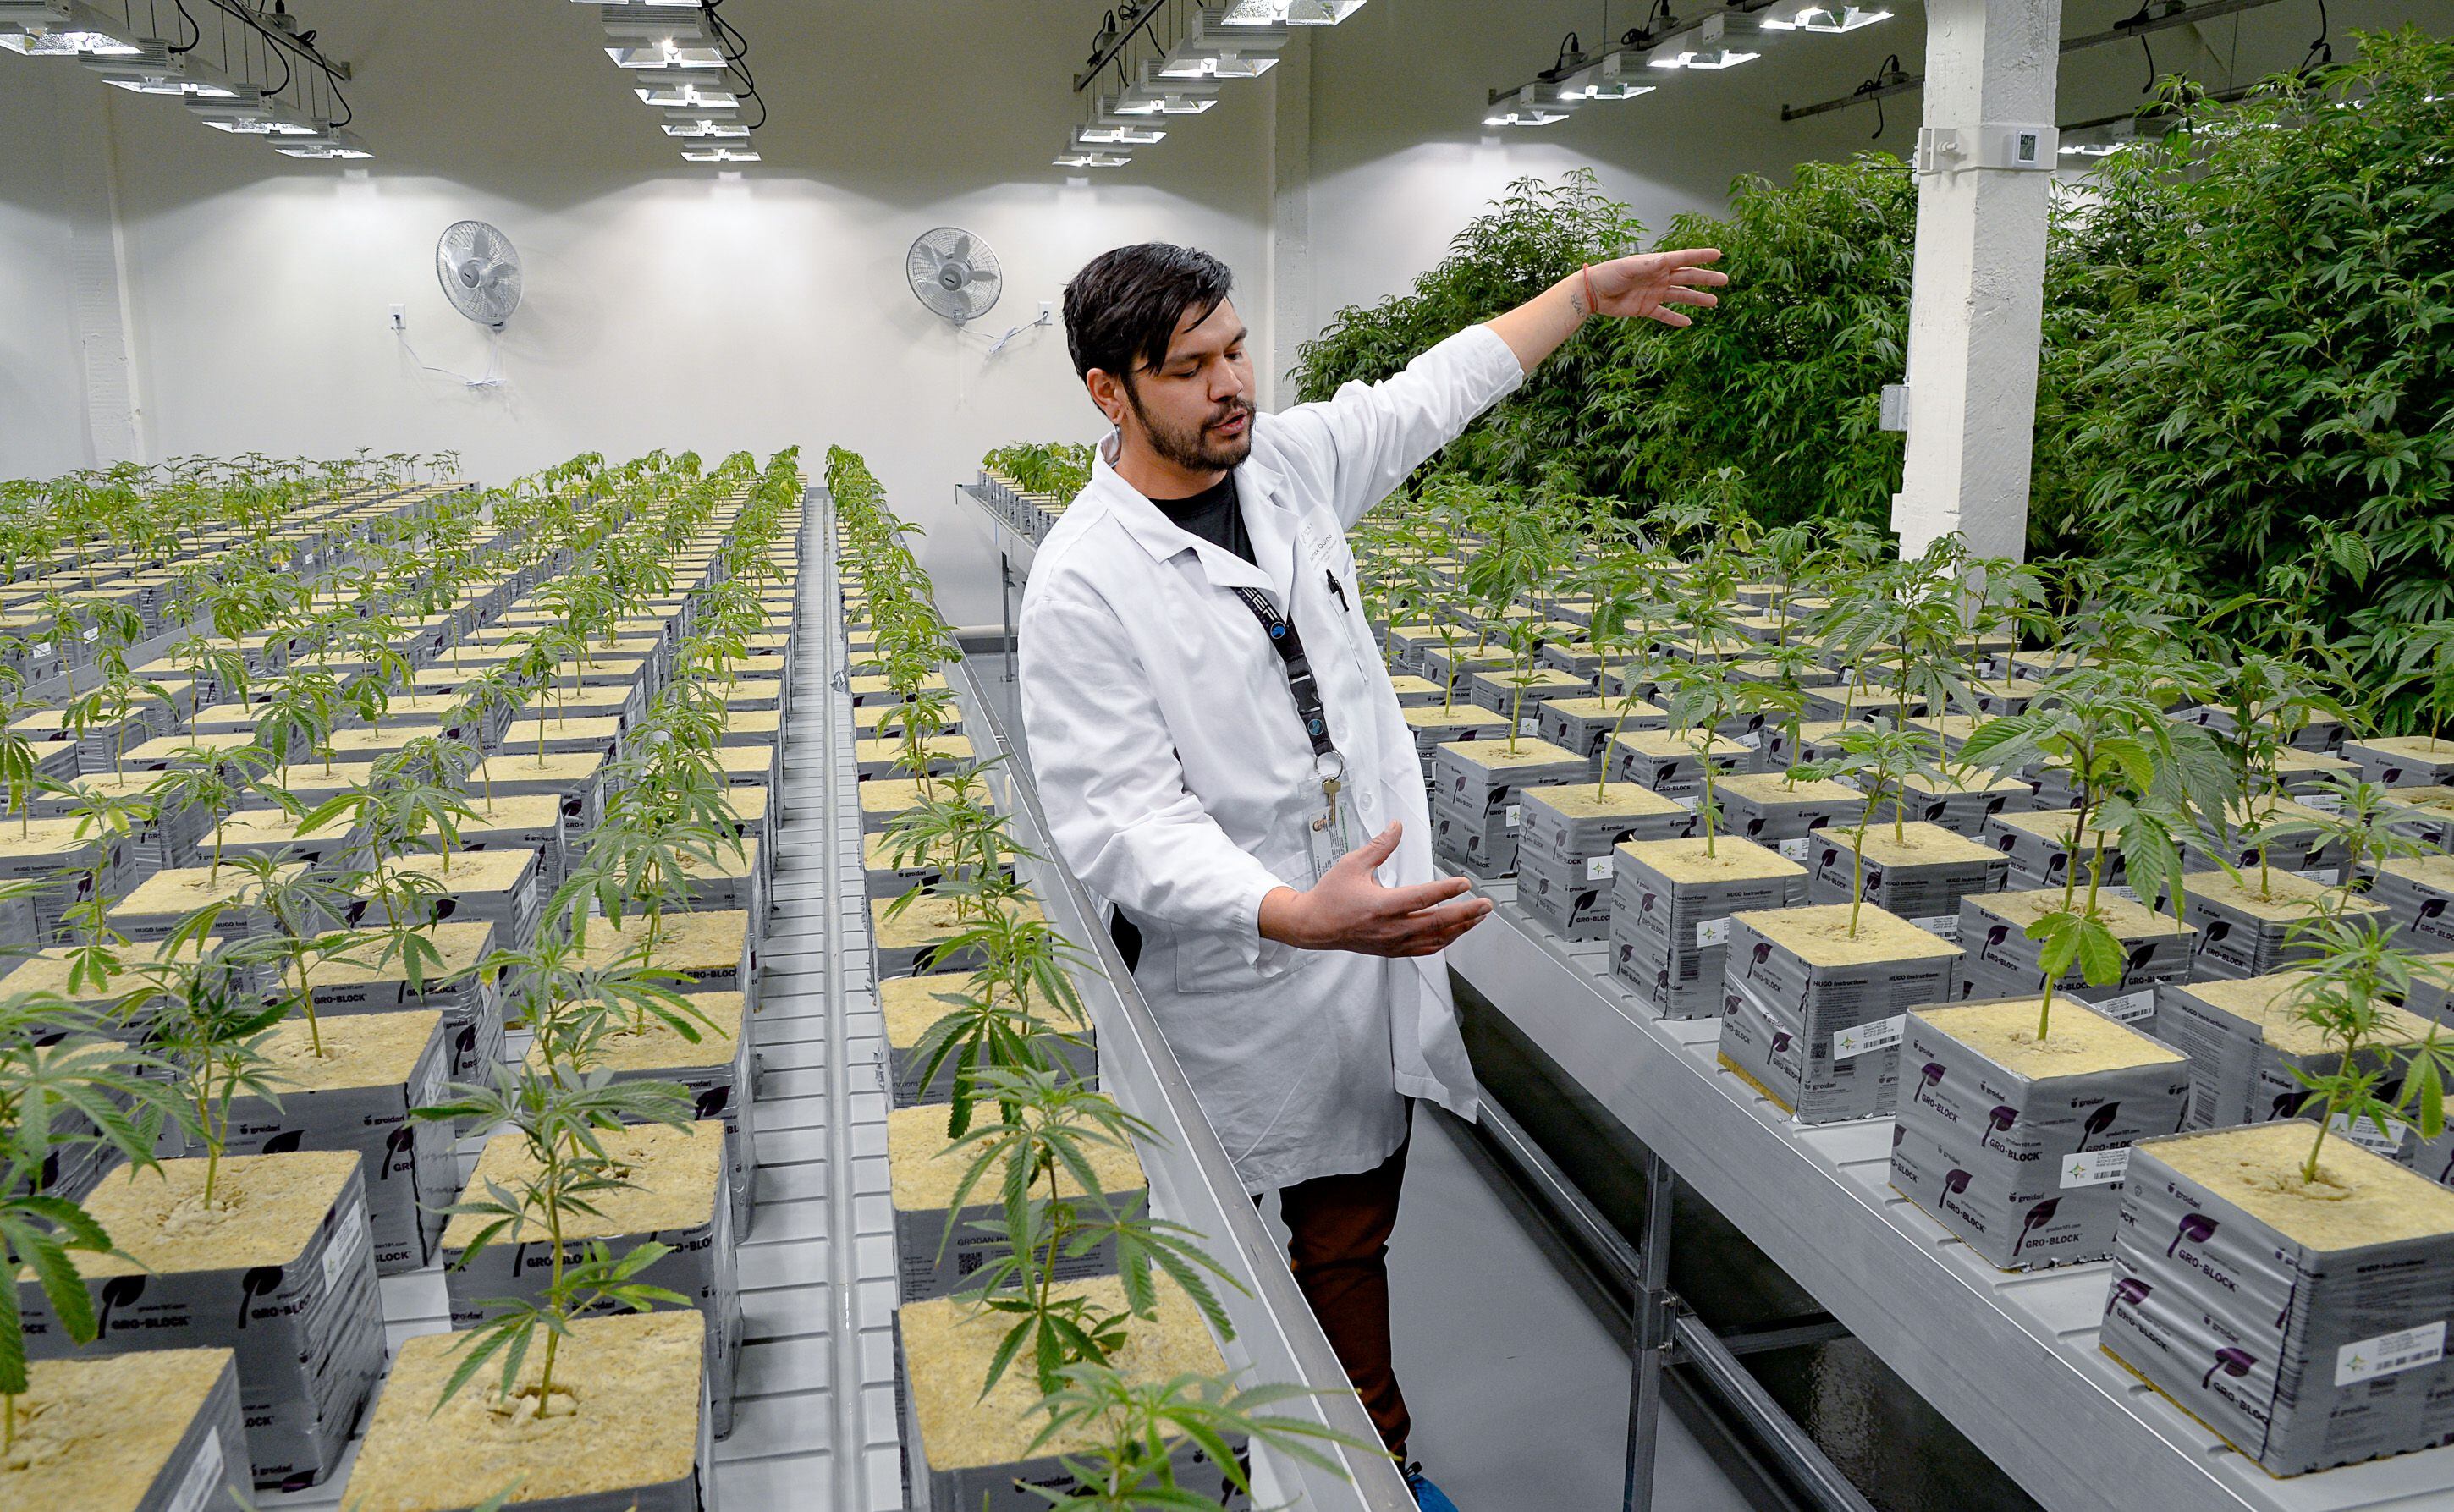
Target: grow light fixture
point(1526, 107)
point(1117, 133)
point(1616, 76)
point(1289, 12)
point(1704, 48)
point(153, 70)
point(1832, 20)
point(68, 45)
point(1210, 49)
point(688, 94)
point(323, 146)
point(1152, 95)
point(1088, 157)
point(705, 127)
point(719, 154)
point(656, 23)
point(666, 58)
point(2098, 141)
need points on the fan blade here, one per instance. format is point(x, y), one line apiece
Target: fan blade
point(962, 251)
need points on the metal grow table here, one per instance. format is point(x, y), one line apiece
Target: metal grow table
point(2011, 1360)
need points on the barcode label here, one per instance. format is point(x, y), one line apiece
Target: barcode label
point(1598, 868)
point(2390, 1353)
point(2324, 802)
point(2322, 876)
point(2365, 1132)
point(349, 1245)
point(1712, 932)
point(204, 1476)
point(1858, 1039)
point(1942, 926)
point(1692, 802)
point(1753, 739)
point(2095, 1167)
point(1796, 850)
point(2128, 1008)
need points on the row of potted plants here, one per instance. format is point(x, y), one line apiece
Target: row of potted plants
point(230, 999)
point(1051, 1341)
point(1768, 736)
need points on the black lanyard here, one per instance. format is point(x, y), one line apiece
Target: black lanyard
point(1300, 682)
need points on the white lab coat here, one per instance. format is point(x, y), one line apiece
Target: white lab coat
point(1178, 781)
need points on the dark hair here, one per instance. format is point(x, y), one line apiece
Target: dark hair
point(1122, 308)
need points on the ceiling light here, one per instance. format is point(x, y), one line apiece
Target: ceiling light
point(707, 129)
point(1832, 19)
point(1211, 48)
point(1616, 76)
point(666, 56)
point(1288, 12)
point(719, 154)
point(1087, 158)
point(1526, 107)
point(687, 95)
point(1222, 65)
point(1701, 48)
point(68, 45)
point(153, 70)
point(656, 24)
point(323, 146)
point(1117, 134)
point(1152, 95)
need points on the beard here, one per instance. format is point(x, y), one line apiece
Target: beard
point(1198, 448)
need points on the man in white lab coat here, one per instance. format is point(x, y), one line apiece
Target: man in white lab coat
point(1220, 755)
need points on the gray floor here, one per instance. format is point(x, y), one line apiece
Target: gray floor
point(1518, 1394)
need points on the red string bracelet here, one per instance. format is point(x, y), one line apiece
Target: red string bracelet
point(1590, 308)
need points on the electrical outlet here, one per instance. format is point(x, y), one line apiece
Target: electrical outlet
point(1047, 310)
point(400, 317)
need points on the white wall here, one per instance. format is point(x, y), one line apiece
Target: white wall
point(42, 416)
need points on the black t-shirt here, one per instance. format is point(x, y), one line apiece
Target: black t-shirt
point(1212, 516)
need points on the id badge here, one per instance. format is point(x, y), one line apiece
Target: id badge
point(1326, 830)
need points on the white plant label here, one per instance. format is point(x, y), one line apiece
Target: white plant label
point(1942, 926)
point(1692, 802)
point(1796, 850)
point(2124, 890)
point(1531, 724)
point(2128, 1008)
point(2322, 876)
point(346, 1246)
point(204, 1476)
point(2324, 802)
point(1712, 932)
point(1858, 1039)
point(1512, 813)
point(1598, 868)
point(2095, 1167)
point(90, 632)
point(2365, 1132)
point(2390, 1353)
point(1753, 739)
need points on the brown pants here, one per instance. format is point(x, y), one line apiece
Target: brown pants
point(1337, 1244)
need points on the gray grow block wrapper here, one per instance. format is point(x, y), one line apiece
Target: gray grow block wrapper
point(2425, 814)
point(1475, 812)
point(308, 1332)
point(1566, 850)
point(407, 1163)
point(2323, 733)
point(1670, 915)
point(2418, 894)
point(2038, 842)
point(717, 1074)
point(2003, 962)
point(702, 1266)
point(493, 887)
point(1961, 808)
point(1436, 725)
point(1670, 762)
point(1586, 725)
point(2402, 762)
point(2243, 935)
point(1770, 810)
point(1813, 1019)
point(2306, 1339)
point(2019, 1147)
point(204, 1470)
point(1922, 874)
point(940, 1251)
point(470, 1000)
point(2246, 1042)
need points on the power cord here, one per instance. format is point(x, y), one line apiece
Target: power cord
point(491, 378)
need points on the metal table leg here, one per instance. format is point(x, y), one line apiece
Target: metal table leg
point(1651, 1338)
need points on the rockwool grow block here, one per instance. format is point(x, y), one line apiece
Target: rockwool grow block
point(1586, 724)
point(1812, 1014)
point(2243, 932)
point(939, 1249)
point(911, 1004)
point(371, 977)
point(1960, 803)
point(154, 1432)
point(1919, 871)
point(1670, 914)
point(1567, 840)
point(2304, 1325)
point(2017, 1144)
point(1671, 762)
point(2418, 893)
point(2247, 1041)
point(2004, 962)
point(2402, 762)
point(1475, 812)
point(1769, 809)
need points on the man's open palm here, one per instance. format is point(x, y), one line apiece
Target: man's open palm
point(1651, 285)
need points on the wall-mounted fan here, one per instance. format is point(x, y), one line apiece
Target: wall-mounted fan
point(480, 271)
point(954, 273)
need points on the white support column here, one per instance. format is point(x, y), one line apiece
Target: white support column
point(1984, 163)
point(1289, 311)
point(98, 270)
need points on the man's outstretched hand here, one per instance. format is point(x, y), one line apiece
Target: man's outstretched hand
point(1349, 910)
point(1651, 285)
